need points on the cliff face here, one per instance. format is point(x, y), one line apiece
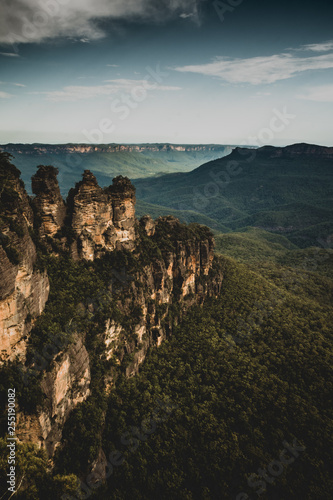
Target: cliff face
point(97, 219)
point(110, 148)
point(122, 194)
point(23, 289)
point(101, 219)
point(164, 289)
point(172, 268)
point(90, 213)
point(64, 386)
point(48, 202)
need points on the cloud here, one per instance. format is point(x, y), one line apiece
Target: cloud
point(15, 84)
point(257, 95)
point(321, 93)
point(318, 47)
point(9, 54)
point(34, 21)
point(260, 70)
point(5, 95)
point(111, 87)
point(113, 65)
point(185, 16)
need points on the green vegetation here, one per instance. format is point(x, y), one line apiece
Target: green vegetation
point(245, 373)
point(248, 371)
point(33, 477)
point(290, 195)
point(108, 165)
point(185, 216)
point(302, 271)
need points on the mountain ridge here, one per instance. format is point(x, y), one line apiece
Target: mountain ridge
point(108, 161)
point(283, 189)
point(112, 147)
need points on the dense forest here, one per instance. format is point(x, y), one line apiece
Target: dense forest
point(283, 190)
point(246, 374)
point(235, 404)
point(241, 379)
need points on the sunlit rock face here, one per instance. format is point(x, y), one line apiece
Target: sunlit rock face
point(102, 219)
point(122, 195)
point(148, 225)
point(65, 385)
point(49, 206)
point(176, 271)
point(90, 216)
point(24, 289)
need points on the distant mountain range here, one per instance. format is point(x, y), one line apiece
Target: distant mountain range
point(109, 160)
point(285, 190)
point(37, 148)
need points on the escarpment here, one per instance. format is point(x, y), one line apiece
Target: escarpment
point(23, 288)
point(64, 385)
point(129, 283)
point(101, 219)
point(48, 202)
point(94, 220)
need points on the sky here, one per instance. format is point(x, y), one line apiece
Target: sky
point(180, 71)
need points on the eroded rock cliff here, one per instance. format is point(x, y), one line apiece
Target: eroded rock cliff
point(101, 219)
point(23, 288)
point(94, 220)
point(161, 267)
point(179, 274)
point(64, 385)
point(49, 205)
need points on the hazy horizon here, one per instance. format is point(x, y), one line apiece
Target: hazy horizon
point(158, 143)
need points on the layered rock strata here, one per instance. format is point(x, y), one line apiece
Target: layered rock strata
point(65, 385)
point(176, 273)
point(48, 202)
point(24, 289)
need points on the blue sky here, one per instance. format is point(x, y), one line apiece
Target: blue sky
point(181, 71)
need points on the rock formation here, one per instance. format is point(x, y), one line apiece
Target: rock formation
point(174, 269)
point(96, 219)
point(177, 279)
point(148, 225)
point(64, 386)
point(48, 203)
point(23, 289)
point(122, 194)
point(90, 217)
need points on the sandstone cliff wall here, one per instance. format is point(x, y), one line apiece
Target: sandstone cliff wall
point(93, 221)
point(66, 384)
point(98, 220)
point(23, 288)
